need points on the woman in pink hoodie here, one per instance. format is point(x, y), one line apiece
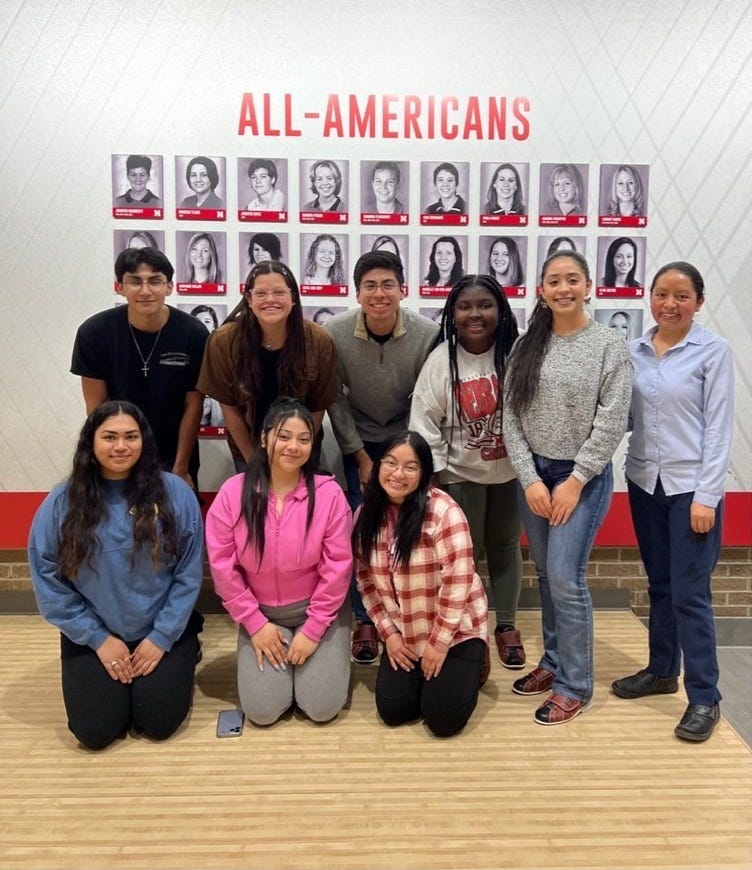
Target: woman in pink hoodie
point(278, 538)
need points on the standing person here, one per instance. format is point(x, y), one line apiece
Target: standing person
point(414, 563)
point(682, 421)
point(116, 560)
point(148, 353)
point(267, 350)
point(381, 348)
point(565, 412)
point(457, 408)
point(279, 547)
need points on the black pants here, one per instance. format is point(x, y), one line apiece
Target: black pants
point(101, 709)
point(445, 702)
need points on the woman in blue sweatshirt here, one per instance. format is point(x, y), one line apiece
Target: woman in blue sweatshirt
point(116, 561)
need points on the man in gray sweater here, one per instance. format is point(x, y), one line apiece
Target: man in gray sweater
point(381, 348)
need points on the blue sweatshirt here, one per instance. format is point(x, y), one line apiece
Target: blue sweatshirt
point(115, 597)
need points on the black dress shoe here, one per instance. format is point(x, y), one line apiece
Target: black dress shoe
point(644, 683)
point(698, 722)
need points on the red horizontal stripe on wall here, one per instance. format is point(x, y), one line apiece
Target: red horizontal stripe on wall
point(17, 510)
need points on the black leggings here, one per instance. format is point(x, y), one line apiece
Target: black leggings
point(445, 702)
point(101, 709)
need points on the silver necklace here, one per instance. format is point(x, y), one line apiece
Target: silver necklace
point(145, 366)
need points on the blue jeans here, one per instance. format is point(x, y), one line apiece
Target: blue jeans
point(678, 563)
point(354, 499)
point(560, 554)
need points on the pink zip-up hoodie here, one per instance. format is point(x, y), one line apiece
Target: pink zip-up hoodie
point(296, 565)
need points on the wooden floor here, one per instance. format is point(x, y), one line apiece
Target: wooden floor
point(613, 788)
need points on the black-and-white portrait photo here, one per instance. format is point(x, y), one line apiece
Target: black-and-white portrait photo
point(254, 248)
point(321, 313)
point(564, 191)
point(200, 182)
point(323, 259)
point(137, 181)
point(384, 188)
point(626, 322)
point(623, 195)
point(323, 185)
point(124, 239)
point(442, 260)
point(443, 188)
point(396, 244)
point(504, 258)
point(504, 189)
point(621, 262)
point(201, 260)
point(262, 184)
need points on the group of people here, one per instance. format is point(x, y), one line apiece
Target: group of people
point(454, 436)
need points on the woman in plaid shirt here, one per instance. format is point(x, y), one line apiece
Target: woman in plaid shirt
point(415, 571)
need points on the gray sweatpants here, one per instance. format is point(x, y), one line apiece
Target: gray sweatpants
point(319, 687)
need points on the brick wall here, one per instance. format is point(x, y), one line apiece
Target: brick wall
point(610, 568)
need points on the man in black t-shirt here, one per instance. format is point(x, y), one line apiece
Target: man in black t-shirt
point(148, 353)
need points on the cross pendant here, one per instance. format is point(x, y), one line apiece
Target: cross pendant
point(145, 370)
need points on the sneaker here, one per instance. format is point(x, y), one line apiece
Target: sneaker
point(559, 709)
point(644, 683)
point(535, 683)
point(365, 644)
point(511, 650)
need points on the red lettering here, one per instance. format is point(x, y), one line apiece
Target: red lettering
point(478, 398)
point(431, 116)
point(412, 113)
point(520, 108)
point(247, 118)
point(448, 131)
point(497, 117)
point(289, 129)
point(333, 117)
point(473, 122)
point(363, 125)
point(268, 129)
point(387, 116)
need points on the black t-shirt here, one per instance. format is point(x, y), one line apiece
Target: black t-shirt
point(269, 385)
point(104, 349)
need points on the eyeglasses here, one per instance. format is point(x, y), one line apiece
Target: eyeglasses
point(410, 468)
point(273, 294)
point(153, 283)
point(385, 286)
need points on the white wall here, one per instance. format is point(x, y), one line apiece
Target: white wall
point(666, 84)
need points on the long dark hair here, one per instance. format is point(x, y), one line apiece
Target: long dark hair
point(609, 269)
point(412, 511)
point(291, 373)
point(432, 278)
point(506, 333)
point(255, 498)
point(145, 491)
point(524, 376)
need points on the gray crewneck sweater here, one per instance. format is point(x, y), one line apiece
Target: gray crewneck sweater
point(581, 407)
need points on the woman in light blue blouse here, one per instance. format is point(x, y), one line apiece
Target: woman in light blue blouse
point(116, 561)
point(682, 419)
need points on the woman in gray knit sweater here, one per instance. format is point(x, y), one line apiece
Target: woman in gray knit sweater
point(568, 393)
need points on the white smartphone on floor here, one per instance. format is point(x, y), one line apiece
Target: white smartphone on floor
point(230, 723)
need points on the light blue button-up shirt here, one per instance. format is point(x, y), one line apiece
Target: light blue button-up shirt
point(682, 415)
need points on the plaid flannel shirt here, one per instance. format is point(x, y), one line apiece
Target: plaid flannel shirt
point(438, 598)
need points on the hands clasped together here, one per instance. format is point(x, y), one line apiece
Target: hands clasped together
point(401, 656)
point(123, 665)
